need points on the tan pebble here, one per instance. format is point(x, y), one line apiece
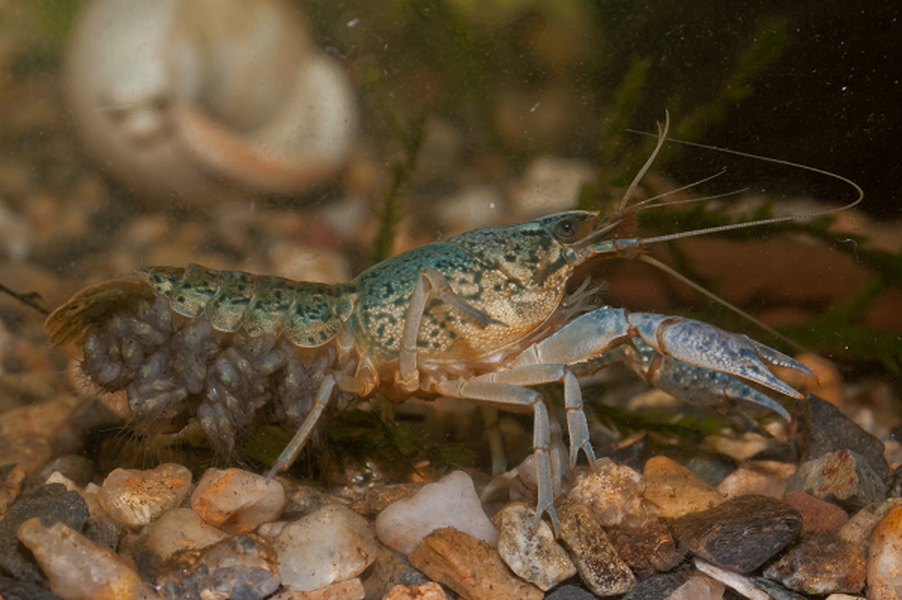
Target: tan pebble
point(672, 490)
point(10, 486)
point(303, 263)
point(424, 591)
point(550, 184)
point(237, 501)
point(596, 559)
point(761, 477)
point(135, 498)
point(860, 526)
point(829, 384)
point(614, 492)
point(470, 567)
point(885, 558)
point(740, 448)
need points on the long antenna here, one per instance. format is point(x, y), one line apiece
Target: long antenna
point(662, 137)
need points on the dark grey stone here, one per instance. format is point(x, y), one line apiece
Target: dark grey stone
point(52, 504)
point(823, 428)
point(570, 592)
point(10, 589)
point(240, 567)
point(740, 534)
point(775, 590)
point(658, 587)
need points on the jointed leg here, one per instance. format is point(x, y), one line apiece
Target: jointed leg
point(513, 396)
point(577, 426)
point(430, 280)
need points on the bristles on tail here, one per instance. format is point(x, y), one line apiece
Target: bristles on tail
point(70, 321)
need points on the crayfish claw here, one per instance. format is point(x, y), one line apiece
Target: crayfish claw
point(709, 347)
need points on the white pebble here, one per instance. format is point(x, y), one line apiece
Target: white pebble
point(450, 502)
point(740, 583)
point(78, 568)
point(237, 501)
point(329, 545)
point(699, 587)
point(181, 529)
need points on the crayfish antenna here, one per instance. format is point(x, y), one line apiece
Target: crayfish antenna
point(721, 228)
point(662, 137)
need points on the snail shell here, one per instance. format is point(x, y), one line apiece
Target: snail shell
point(185, 97)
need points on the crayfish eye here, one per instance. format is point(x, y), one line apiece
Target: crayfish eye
point(566, 229)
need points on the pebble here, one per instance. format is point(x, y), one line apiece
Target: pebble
point(570, 592)
point(470, 208)
point(550, 185)
point(658, 587)
point(77, 469)
point(596, 559)
point(713, 468)
point(820, 563)
point(243, 566)
point(761, 477)
point(699, 587)
point(775, 590)
point(817, 515)
point(672, 490)
point(135, 498)
point(78, 568)
point(237, 501)
point(11, 485)
point(470, 567)
point(450, 502)
point(740, 534)
point(376, 500)
point(100, 526)
point(647, 549)
point(842, 477)
point(305, 499)
point(181, 529)
point(859, 527)
point(52, 503)
point(885, 558)
point(824, 429)
point(731, 579)
point(424, 591)
point(352, 589)
point(614, 493)
point(329, 545)
point(531, 552)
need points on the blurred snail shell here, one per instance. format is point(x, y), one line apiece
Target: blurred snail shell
point(182, 98)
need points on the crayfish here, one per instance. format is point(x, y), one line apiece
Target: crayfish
point(482, 316)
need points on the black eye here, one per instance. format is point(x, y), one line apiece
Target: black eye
point(566, 229)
